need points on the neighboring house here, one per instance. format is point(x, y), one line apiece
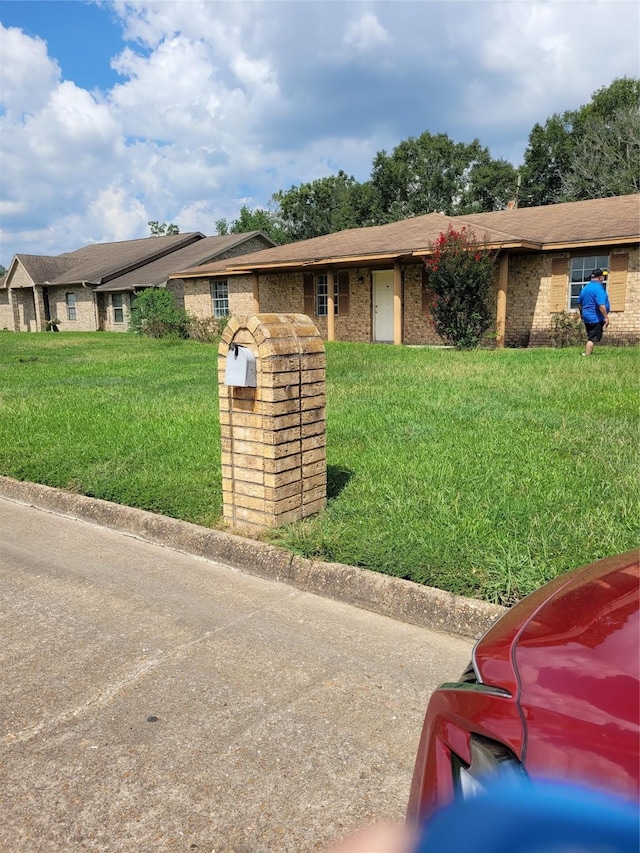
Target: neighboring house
point(370, 284)
point(93, 288)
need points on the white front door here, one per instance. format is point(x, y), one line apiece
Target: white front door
point(383, 306)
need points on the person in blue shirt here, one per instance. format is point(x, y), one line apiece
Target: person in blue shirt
point(593, 304)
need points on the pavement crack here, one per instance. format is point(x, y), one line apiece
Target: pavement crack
point(102, 697)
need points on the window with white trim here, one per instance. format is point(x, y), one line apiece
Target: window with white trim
point(322, 296)
point(581, 269)
point(70, 299)
point(117, 304)
point(220, 298)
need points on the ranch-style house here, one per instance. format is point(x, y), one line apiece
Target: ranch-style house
point(371, 284)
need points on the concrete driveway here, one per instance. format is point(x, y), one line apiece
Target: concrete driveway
point(154, 701)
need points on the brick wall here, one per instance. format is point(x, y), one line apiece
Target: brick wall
point(6, 310)
point(273, 436)
point(256, 244)
point(418, 329)
point(85, 309)
point(194, 295)
point(529, 316)
point(624, 325)
point(109, 324)
point(197, 296)
point(528, 321)
point(26, 310)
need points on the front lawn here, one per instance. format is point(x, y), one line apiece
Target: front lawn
point(484, 473)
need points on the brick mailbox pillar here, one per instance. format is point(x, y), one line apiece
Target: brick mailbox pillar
point(271, 377)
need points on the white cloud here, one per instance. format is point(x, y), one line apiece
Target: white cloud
point(550, 56)
point(27, 74)
point(223, 103)
point(366, 34)
point(115, 215)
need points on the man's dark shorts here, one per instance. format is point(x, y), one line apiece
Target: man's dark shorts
point(594, 331)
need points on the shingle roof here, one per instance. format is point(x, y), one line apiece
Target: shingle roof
point(596, 221)
point(43, 268)
point(157, 272)
point(99, 262)
point(575, 222)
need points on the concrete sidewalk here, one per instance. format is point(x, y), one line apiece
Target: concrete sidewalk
point(399, 599)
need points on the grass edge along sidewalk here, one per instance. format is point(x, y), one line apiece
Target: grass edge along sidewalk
point(484, 474)
point(399, 599)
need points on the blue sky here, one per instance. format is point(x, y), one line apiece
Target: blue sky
point(116, 113)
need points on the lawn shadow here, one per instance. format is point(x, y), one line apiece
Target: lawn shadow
point(337, 479)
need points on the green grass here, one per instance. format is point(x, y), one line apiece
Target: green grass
point(484, 473)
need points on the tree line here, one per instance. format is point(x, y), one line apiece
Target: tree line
point(590, 152)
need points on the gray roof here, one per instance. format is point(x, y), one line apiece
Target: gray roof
point(157, 272)
point(98, 262)
point(44, 268)
point(101, 262)
point(131, 264)
point(570, 225)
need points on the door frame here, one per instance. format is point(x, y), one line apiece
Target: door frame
point(388, 329)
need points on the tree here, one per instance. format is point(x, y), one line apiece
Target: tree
point(492, 185)
point(322, 207)
point(460, 276)
point(433, 173)
point(606, 161)
point(258, 220)
point(549, 156)
point(154, 313)
point(159, 229)
point(3, 271)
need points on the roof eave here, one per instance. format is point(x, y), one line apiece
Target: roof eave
point(495, 245)
point(600, 241)
point(306, 263)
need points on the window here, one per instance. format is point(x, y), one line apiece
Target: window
point(581, 269)
point(70, 299)
point(316, 292)
point(220, 298)
point(118, 307)
point(322, 290)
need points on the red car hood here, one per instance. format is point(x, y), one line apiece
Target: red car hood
point(569, 656)
point(578, 667)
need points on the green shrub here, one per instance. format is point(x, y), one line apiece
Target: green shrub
point(566, 330)
point(207, 330)
point(461, 274)
point(154, 314)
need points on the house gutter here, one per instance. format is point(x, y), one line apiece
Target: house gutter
point(514, 244)
point(610, 241)
point(311, 263)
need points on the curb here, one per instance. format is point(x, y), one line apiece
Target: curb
point(399, 599)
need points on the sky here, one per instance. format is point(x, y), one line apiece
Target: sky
point(113, 114)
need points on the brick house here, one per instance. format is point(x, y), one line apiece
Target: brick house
point(92, 288)
point(369, 284)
